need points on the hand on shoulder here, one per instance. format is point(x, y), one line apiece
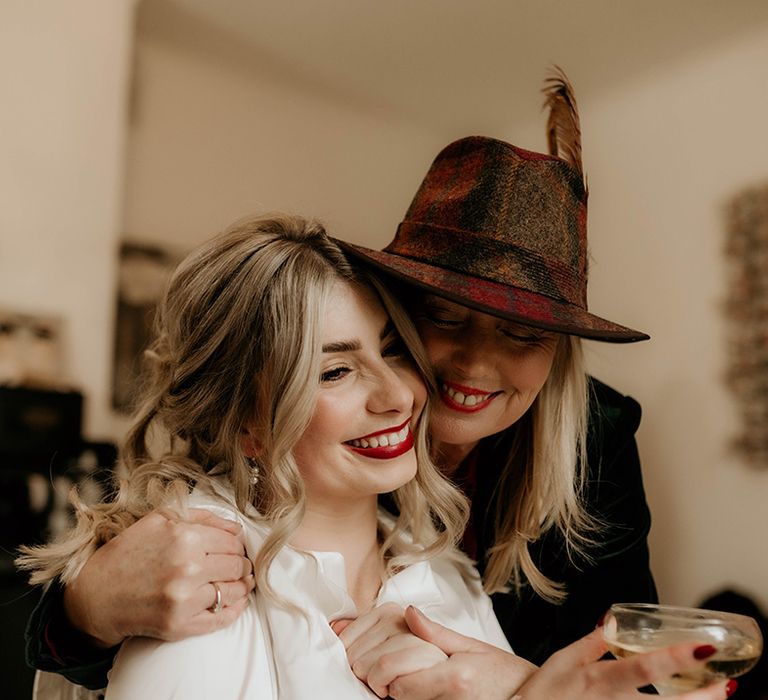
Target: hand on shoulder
point(155, 579)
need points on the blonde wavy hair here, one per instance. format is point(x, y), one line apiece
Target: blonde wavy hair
point(542, 480)
point(237, 346)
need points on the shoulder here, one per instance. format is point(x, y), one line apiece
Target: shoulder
point(610, 410)
point(613, 421)
point(224, 663)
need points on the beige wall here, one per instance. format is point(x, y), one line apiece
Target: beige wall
point(64, 87)
point(665, 154)
point(218, 133)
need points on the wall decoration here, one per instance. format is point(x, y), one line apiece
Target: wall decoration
point(31, 352)
point(143, 273)
point(747, 318)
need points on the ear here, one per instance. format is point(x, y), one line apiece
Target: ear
point(250, 443)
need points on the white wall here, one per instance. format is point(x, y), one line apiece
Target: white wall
point(664, 155)
point(64, 86)
point(219, 133)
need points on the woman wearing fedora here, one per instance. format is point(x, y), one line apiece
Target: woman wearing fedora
point(491, 259)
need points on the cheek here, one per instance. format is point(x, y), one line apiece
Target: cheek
point(412, 379)
point(434, 346)
point(534, 370)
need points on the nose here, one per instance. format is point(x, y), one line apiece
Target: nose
point(390, 392)
point(472, 353)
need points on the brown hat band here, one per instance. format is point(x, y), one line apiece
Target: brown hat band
point(493, 260)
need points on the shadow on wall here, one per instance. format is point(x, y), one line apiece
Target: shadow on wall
point(752, 685)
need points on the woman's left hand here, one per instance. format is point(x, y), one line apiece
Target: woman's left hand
point(380, 647)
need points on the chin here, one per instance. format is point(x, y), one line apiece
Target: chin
point(401, 477)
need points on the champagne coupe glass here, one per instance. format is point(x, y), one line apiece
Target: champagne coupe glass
point(639, 628)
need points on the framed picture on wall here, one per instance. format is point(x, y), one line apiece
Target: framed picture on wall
point(143, 273)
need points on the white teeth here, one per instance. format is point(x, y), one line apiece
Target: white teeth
point(463, 399)
point(386, 440)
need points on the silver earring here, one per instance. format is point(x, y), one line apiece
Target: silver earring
point(253, 466)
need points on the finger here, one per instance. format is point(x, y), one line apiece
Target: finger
point(449, 641)
point(338, 626)
point(390, 666)
point(368, 621)
point(645, 669)
point(201, 516)
point(581, 652)
point(207, 621)
point(721, 690)
point(380, 634)
point(373, 639)
point(214, 540)
point(226, 567)
point(429, 684)
point(232, 593)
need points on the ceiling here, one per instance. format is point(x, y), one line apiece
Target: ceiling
point(458, 64)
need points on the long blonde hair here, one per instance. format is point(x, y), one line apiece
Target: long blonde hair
point(237, 345)
point(542, 479)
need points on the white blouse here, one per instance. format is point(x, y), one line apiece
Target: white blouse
point(270, 652)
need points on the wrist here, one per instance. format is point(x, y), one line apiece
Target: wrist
point(79, 622)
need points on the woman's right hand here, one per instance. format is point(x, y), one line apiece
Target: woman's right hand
point(475, 669)
point(576, 672)
point(155, 579)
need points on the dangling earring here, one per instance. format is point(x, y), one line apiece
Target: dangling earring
point(253, 466)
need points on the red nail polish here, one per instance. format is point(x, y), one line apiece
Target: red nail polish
point(730, 688)
point(703, 652)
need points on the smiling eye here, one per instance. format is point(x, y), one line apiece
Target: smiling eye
point(441, 319)
point(334, 374)
point(527, 339)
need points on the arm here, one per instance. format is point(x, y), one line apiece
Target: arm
point(153, 579)
point(475, 669)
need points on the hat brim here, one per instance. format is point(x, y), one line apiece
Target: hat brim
point(504, 301)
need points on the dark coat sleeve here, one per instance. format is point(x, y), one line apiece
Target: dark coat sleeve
point(617, 568)
point(52, 644)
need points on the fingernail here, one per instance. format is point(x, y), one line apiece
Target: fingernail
point(730, 688)
point(601, 621)
point(703, 652)
point(418, 612)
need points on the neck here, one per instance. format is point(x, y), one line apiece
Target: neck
point(448, 457)
point(352, 530)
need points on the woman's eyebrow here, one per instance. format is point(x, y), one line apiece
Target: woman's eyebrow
point(343, 346)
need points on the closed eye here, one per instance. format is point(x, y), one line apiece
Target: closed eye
point(440, 319)
point(524, 339)
point(334, 374)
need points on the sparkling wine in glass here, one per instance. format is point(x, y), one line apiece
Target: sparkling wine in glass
point(639, 628)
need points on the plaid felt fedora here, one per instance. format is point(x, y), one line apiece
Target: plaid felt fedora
point(501, 230)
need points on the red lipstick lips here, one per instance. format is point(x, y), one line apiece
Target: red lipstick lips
point(405, 443)
point(465, 399)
